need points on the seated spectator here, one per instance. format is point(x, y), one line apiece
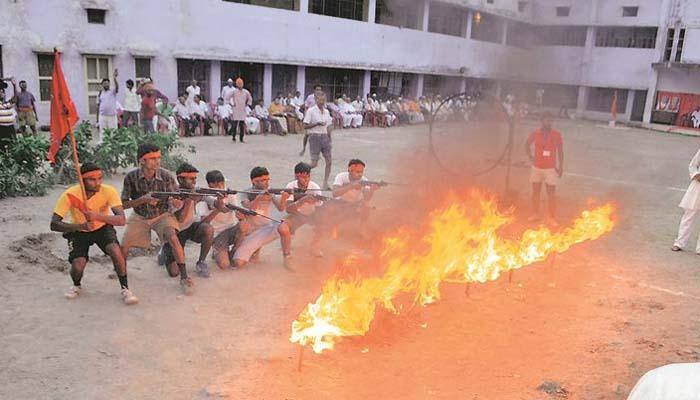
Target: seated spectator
point(351, 118)
point(333, 108)
point(396, 108)
point(184, 116)
point(263, 116)
point(200, 112)
point(277, 113)
point(224, 113)
point(359, 106)
point(164, 119)
point(415, 116)
point(389, 117)
point(252, 123)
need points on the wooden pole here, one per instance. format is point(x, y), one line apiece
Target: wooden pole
point(301, 357)
point(76, 163)
point(510, 276)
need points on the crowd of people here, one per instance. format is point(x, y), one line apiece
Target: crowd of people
point(230, 225)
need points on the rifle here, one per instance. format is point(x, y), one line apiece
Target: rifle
point(218, 192)
point(249, 212)
point(181, 194)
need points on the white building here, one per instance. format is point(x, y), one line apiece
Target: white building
point(579, 51)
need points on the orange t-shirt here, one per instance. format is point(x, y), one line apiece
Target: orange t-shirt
point(546, 147)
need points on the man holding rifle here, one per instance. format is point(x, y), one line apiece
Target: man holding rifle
point(193, 226)
point(150, 213)
point(90, 223)
point(263, 230)
point(301, 208)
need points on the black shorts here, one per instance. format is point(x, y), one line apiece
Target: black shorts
point(79, 242)
point(183, 236)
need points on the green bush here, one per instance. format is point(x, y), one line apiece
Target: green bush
point(25, 172)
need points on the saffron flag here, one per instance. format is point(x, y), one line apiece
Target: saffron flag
point(63, 113)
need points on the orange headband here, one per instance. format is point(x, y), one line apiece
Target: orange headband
point(187, 175)
point(96, 174)
point(153, 154)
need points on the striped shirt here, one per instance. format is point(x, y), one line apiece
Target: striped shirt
point(8, 115)
point(136, 185)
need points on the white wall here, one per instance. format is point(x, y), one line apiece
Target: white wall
point(679, 80)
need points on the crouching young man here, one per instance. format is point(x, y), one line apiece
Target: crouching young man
point(262, 230)
point(91, 223)
point(191, 226)
point(152, 214)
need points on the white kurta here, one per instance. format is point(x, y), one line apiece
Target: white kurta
point(670, 382)
point(691, 199)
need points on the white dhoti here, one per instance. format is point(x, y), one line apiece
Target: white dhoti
point(283, 123)
point(390, 118)
point(253, 125)
point(690, 204)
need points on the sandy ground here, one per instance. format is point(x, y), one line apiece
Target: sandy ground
point(591, 323)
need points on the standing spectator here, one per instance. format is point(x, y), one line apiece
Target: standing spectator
point(107, 106)
point(192, 90)
point(319, 124)
point(227, 91)
point(149, 94)
point(132, 105)
point(241, 99)
point(547, 165)
point(311, 99)
point(27, 114)
point(8, 115)
point(690, 205)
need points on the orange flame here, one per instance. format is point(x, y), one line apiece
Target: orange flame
point(458, 248)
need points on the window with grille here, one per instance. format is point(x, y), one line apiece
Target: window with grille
point(630, 11)
point(283, 4)
point(142, 67)
point(97, 68)
point(335, 81)
point(671, 33)
point(679, 47)
point(45, 64)
point(520, 34)
point(95, 16)
point(487, 28)
point(563, 11)
point(446, 19)
point(284, 79)
point(400, 13)
point(522, 5)
point(630, 37)
point(349, 9)
point(187, 70)
point(557, 35)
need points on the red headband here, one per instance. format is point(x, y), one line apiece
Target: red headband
point(153, 154)
point(96, 174)
point(187, 175)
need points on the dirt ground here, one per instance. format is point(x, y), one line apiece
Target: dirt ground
point(584, 327)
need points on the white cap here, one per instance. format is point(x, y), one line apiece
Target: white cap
point(230, 80)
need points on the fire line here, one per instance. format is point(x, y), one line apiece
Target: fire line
point(459, 247)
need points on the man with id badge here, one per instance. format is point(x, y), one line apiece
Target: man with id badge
point(547, 166)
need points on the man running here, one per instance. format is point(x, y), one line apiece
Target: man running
point(152, 214)
point(319, 124)
point(262, 230)
point(198, 231)
point(90, 223)
point(547, 166)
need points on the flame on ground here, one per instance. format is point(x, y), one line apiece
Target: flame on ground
point(458, 247)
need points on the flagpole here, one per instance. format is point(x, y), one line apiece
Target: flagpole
point(76, 163)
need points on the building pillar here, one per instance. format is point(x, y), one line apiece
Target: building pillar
point(267, 84)
point(371, 11)
point(498, 90)
point(581, 101)
point(426, 15)
point(366, 82)
point(651, 96)
point(463, 85)
point(628, 106)
point(214, 81)
point(301, 80)
point(419, 85)
point(304, 6)
point(470, 21)
point(504, 39)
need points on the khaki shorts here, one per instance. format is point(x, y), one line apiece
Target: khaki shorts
point(26, 118)
point(138, 229)
point(549, 176)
